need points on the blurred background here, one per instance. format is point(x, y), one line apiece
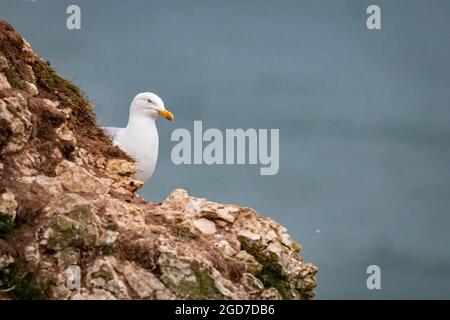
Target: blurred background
point(364, 116)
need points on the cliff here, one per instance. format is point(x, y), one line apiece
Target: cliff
point(73, 227)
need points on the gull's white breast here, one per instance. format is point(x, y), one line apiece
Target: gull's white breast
point(141, 142)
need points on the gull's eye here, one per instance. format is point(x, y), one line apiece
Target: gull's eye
point(150, 101)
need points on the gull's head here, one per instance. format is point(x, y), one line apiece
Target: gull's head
point(148, 104)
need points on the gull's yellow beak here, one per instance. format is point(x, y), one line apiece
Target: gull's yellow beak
point(166, 114)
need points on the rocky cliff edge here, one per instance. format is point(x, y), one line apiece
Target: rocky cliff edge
point(73, 227)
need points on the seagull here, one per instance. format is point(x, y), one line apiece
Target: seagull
point(140, 137)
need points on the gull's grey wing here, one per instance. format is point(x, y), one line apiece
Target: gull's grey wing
point(112, 131)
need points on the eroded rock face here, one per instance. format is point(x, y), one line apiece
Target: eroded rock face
point(15, 121)
point(73, 226)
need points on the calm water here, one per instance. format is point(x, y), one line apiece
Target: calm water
point(364, 117)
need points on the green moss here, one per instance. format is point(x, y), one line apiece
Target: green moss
point(104, 273)
point(271, 278)
point(182, 232)
point(77, 229)
point(23, 289)
point(112, 227)
point(205, 283)
point(62, 89)
point(13, 78)
point(105, 249)
point(6, 224)
point(203, 288)
point(271, 274)
point(67, 257)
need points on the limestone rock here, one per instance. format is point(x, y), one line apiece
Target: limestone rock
point(52, 185)
point(4, 84)
point(30, 88)
point(5, 260)
point(15, 123)
point(32, 255)
point(67, 257)
point(78, 179)
point(59, 292)
point(143, 282)
point(108, 238)
point(93, 294)
point(72, 223)
point(121, 167)
point(103, 276)
point(205, 226)
point(8, 205)
point(3, 63)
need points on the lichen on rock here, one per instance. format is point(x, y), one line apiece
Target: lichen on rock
point(72, 223)
point(73, 227)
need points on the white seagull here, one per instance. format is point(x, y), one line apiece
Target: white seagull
point(140, 137)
